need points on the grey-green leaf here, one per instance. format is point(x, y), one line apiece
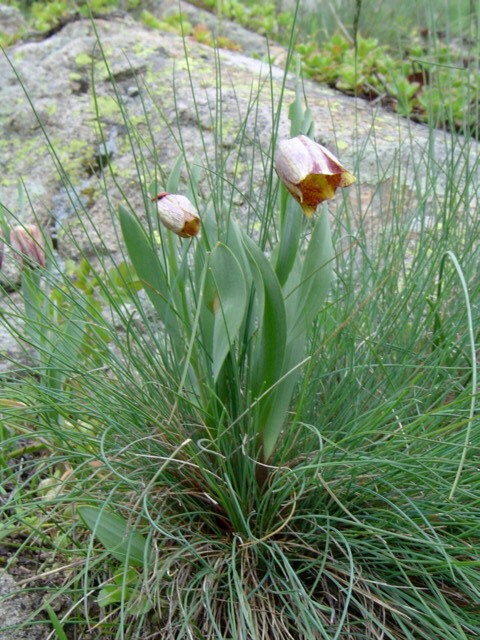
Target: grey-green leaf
point(229, 304)
point(113, 531)
point(148, 268)
point(316, 274)
point(270, 351)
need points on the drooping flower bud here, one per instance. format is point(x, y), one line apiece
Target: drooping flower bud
point(178, 214)
point(310, 172)
point(28, 244)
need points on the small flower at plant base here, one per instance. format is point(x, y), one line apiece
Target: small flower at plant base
point(28, 245)
point(310, 172)
point(178, 214)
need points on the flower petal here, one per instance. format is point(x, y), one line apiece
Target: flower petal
point(178, 214)
point(294, 160)
point(310, 172)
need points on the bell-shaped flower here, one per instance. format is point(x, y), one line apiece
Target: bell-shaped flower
point(310, 172)
point(28, 244)
point(178, 214)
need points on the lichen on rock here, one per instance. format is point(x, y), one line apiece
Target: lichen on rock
point(73, 109)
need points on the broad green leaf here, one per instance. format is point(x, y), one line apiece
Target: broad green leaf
point(270, 350)
point(195, 173)
point(316, 276)
point(301, 121)
point(209, 236)
point(205, 293)
point(174, 177)
point(206, 241)
point(295, 110)
point(282, 396)
point(229, 303)
point(126, 588)
point(294, 353)
point(234, 241)
point(112, 530)
point(110, 594)
point(126, 576)
point(289, 240)
point(305, 292)
point(149, 269)
point(308, 125)
point(290, 291)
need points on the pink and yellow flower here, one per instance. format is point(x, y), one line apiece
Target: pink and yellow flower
point(310, 172)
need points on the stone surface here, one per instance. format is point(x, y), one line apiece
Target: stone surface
point(56, 74)
point(11, 20)
point(15, 608)
point(48, 116)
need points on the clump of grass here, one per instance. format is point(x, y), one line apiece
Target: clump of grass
point(414, 86)
point(151, 506)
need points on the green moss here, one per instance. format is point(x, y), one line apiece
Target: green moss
point(107, 107)
point(150, 20)
point(142, 51)
point(136, 121)
point(176, 23)
point(7, 39)
point(7, 181)
point(22, 150)
point(76, 157)
point(76, 146)
point(83, 59)
point(151, 78)
point(90, 195)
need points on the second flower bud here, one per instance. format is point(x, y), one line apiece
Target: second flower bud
point(178, 214)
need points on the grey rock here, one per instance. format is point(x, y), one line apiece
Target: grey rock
point(11, 20)
point(15, 609)
point(154, 81)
